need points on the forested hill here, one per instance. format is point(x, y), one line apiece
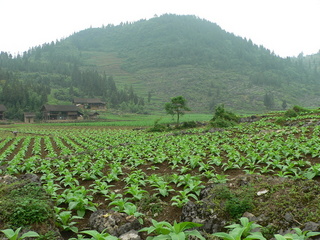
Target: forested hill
point(139, 66)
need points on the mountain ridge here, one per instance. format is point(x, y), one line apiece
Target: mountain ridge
point(175, 55)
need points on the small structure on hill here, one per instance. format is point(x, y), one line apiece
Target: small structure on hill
point(2, 111)
point(60, 112)
point(29, 117)
point(89, 103)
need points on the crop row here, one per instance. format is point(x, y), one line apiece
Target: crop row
point(80, 166)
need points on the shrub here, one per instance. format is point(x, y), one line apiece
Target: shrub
point(290, 113)
point(299, 109)
point(157, 127)
point(223, 118)
point(190, 124)
point(295, 111)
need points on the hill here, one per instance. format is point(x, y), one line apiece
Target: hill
point(164, 57)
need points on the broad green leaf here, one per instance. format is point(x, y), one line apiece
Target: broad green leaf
point(10, 234)
point(30, 234)
point(223, 235)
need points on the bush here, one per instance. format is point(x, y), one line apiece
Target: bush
point(295, 111)
point(299, 109)
point(290, 113)
point(223, 118)
point(157, 127)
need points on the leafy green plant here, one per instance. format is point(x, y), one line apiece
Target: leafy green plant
point(183, 198)
point(136, 192)
point(64, 220)
point(78, 200)
point(244, 230)
point(177, 231)
point(14, 235)
point(99, 236)
point(163, 188)
point(298, 235)
point(100, 187)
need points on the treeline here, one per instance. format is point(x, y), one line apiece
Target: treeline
point(27, 80)
point(21, 96)
point(91, 83)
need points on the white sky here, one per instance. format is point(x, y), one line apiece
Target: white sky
point(287, 27)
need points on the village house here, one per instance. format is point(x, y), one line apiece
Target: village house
point(89, 103)
point(60, 112)
point(2, 111)
point(29, 117)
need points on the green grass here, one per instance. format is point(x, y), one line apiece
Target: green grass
point(134, 120)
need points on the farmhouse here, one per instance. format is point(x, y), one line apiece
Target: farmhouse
point(29, 117)
point(60, 112)
point(89, 103)
point(2, 110)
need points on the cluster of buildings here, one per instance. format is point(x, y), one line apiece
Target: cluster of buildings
point(79, 109)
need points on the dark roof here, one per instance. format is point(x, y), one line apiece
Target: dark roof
point(2, 108)
point(29, 114)
point(87, 100)
point(60, 108)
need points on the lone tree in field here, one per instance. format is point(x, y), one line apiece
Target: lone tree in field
point(178, 105)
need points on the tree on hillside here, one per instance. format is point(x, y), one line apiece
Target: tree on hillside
point(177, 106)
point(284, 104)
point(268, 100)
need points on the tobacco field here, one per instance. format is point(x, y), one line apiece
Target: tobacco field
point(152, 175)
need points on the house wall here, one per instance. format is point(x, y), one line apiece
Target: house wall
point(29, 119)
point(60, 115)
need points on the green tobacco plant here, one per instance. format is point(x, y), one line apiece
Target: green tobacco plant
point(177, 231)
point(298, 235)
point(120, 204)
point(78, 200)
point(163, 188)
point(182, 199)
point(99, 236)
point(14, 235)
point(244, 231)
point(64, 220)
point(136, 192)
point(100, 187)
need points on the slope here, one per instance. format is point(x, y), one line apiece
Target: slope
point(175, 55)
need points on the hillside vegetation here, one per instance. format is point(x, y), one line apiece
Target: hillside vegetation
point(139, 66)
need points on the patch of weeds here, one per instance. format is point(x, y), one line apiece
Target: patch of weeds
point(299, 198)
point(50, 235)
point(151, 204)
point(269, 231)
point(237, 206)
point(23, 205)
point(234, 202)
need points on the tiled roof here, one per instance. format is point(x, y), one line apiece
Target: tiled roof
point(87, 100)
point(60, 108)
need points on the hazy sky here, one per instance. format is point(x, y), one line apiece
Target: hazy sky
point(287, 27)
